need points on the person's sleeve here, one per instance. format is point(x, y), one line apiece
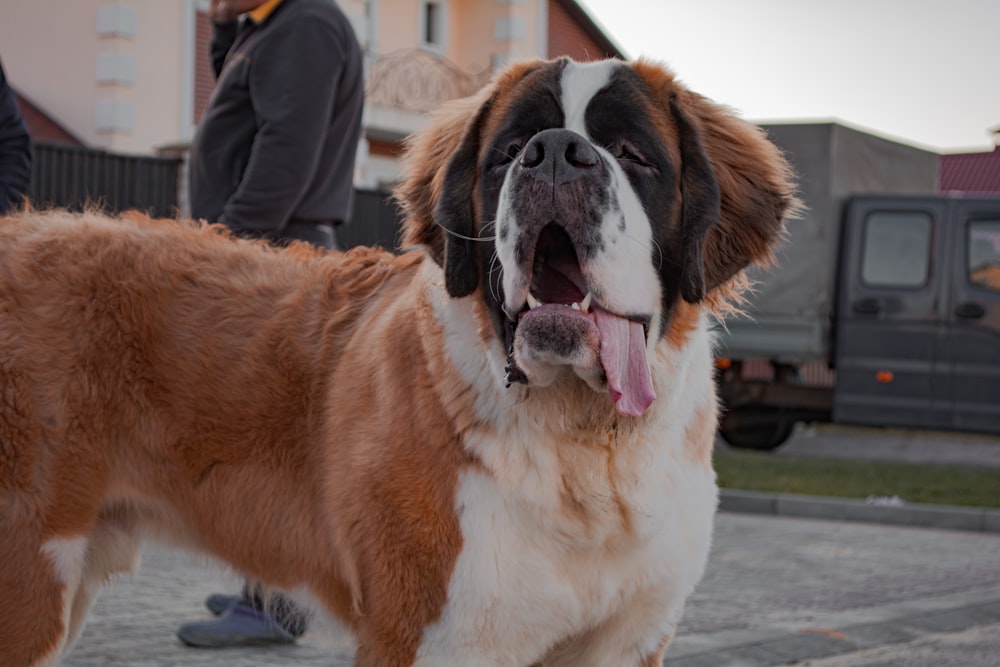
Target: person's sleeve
point(15, 151)
point(293, 86)
point(223, 36)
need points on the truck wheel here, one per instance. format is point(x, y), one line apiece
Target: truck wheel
point(755, 429)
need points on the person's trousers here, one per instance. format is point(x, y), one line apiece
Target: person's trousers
point(320, 234)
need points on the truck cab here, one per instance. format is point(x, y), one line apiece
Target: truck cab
point(917, 319)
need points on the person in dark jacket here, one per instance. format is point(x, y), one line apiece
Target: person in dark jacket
point(15, 151)
point(273, 158)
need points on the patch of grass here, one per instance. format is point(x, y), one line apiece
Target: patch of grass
point(914, 483)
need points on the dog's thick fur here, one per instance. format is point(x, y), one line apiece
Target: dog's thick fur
point(343, 422)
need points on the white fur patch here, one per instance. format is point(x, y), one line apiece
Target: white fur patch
point(69, 558)
point(464, 347)
point(623, 271)
point(580, 82)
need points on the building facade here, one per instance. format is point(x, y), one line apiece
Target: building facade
point(133, 76)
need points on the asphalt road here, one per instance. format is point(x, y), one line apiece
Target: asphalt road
point(777, 591)
point(899, 445)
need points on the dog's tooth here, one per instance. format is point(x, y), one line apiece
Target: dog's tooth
point(585, 304)
point(533, 302)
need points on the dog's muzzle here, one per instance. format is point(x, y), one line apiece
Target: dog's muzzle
point(560, 196)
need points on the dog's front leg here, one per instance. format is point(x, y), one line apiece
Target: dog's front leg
point(637, 636)
point(655, 659)
point(470, 659)
point(450, 658)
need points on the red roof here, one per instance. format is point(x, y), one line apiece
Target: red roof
point(41, 126)
point(974, 173)
point(574, 33)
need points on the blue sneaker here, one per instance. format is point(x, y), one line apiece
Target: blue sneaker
point(239, 625)
point(219, 603)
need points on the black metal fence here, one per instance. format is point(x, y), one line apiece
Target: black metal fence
point(73, 177)
point(375, 221)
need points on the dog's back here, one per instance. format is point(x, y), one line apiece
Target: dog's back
point(128, 332)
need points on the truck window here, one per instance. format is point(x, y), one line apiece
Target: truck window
point(984, 253)
point(897, 249)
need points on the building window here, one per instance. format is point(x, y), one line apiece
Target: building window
point(116, 20)
point(984, 254)
point(897, 249)
point(433, 24)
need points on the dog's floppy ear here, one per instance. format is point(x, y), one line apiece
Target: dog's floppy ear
point(437, 195)
point(730, 170)
point(456, 211)
point(700, 206)
point(736, 187)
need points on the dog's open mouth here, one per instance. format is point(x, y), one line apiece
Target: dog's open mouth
point(562, 323)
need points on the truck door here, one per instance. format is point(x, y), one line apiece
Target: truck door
point(889, 330)
point(973, 342)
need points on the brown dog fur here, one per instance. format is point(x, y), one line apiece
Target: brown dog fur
point(160, 379)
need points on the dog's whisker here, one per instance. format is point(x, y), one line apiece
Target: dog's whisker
point(506, 154)
point(457, 235)
point(646, 246)
point(659, 251)
point(495, 285)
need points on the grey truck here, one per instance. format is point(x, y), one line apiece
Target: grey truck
point(884, 307)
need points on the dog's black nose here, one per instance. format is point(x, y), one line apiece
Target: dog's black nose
point(558, 156)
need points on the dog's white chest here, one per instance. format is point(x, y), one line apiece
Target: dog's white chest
point(542, 563)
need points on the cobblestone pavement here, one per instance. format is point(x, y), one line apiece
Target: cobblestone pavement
point(777, 591)
point(135, 617)
point(785, 591)
point(979, 645)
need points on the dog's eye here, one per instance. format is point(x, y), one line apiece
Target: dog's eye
point(626, 152)
point(513, 149)
point(505, 153)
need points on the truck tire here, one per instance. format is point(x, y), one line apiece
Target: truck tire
point(754, 428)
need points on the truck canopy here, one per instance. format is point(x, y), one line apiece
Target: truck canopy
point(789, 315)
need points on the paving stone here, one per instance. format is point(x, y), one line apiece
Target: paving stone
point(777, 591)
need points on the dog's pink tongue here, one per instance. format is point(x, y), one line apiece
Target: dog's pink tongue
point(623, 355)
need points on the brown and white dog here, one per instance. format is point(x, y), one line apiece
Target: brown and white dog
point(492, 451)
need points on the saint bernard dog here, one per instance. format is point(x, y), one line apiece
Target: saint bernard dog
point(491, 449)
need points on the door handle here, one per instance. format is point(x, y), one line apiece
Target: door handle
point(970, 310)
point(867, 306)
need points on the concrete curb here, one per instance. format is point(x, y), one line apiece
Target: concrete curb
point(838, 509)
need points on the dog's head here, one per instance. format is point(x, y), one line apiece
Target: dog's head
point(584, 203)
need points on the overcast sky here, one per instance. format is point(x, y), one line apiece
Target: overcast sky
point(926, 72)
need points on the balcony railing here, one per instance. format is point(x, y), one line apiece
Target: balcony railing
point(416, 80)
